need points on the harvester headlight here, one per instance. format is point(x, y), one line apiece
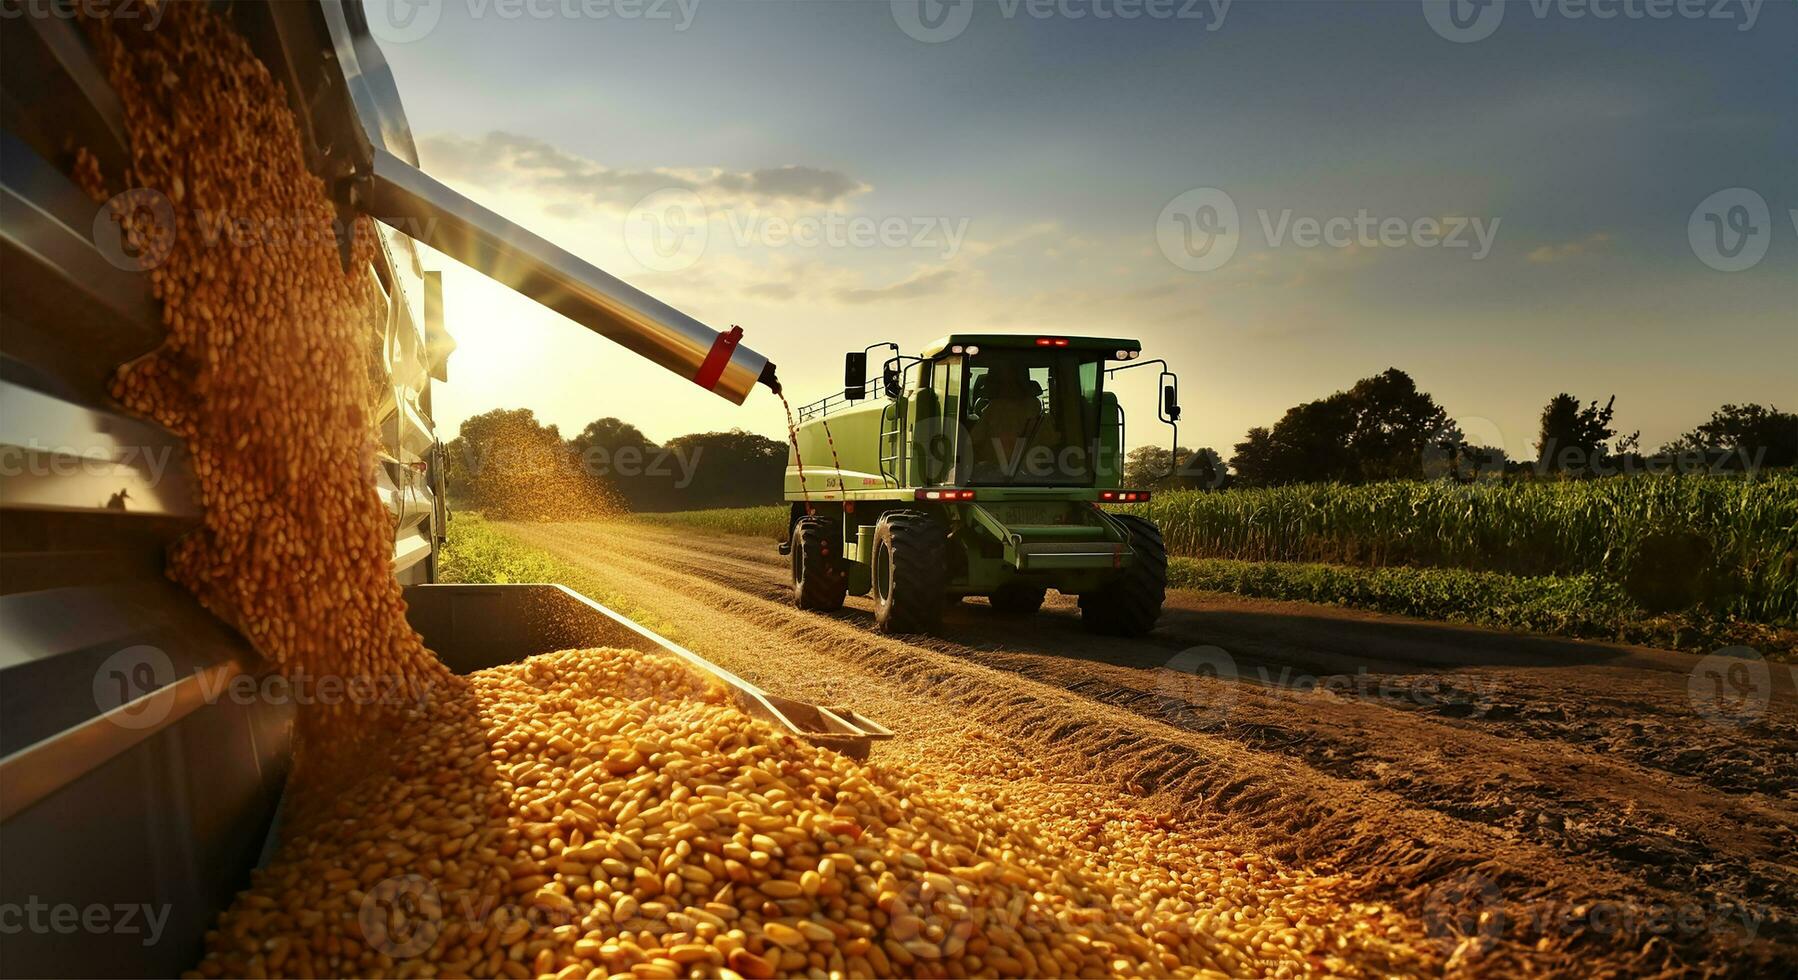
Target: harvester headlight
point(956, 349)
point(1123, 355)
point(972, 350)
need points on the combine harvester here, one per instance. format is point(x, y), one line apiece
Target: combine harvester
point(127, 780)
point(979, 467)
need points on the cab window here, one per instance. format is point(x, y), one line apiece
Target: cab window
point(1031, 417)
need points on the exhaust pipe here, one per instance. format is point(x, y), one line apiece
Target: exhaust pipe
point(355, 118)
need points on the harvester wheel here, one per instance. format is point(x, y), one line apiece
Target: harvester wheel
point(909, 549)
point(819, 579)
point(1017, 599)
point(1131, 603)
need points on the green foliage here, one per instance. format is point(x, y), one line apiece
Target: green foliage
point(1382, 428)
point(480, 553)
point(1571, 438)
point(1758, 435)
point(1152, 468)
point(1735, 541)
point(1580, 605)
point(1588, 606)
point(509, 466)
point(729, 469)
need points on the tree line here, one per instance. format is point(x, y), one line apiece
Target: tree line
point(1385, 428)
point(510, 466)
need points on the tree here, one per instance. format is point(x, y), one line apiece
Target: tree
point(1750, 436)
point(609, 434)
point(1152, 468)
point(1396, 427)
point(1574, 439)
point(643, 473)
point(509, 466)
point(1382, 428)
point(733, 469)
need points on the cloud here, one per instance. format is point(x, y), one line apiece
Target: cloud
point(568, 181)
point(922, 284)
point(1593, 243)
point(792, 182)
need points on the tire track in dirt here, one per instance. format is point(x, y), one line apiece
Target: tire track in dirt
point(1320, 745)
point(1438, 802)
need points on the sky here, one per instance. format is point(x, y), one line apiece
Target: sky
point(1279, 198)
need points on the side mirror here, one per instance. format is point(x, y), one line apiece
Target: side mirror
point(855, 375)
point(1170, 403)
point(889, 379)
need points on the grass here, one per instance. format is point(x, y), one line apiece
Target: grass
point(479, 552)
point(756, 522)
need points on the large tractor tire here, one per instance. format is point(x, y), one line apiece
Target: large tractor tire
point(819, 580)
point(909, 551)
point(1131, 603)
point(1017, 599)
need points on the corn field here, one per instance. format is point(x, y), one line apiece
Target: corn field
point(1727, 544)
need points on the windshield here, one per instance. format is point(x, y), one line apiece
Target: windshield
point(1032, 417)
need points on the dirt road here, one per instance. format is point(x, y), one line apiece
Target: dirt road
point(1561, 806)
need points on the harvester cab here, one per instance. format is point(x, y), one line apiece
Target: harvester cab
point(979, 467)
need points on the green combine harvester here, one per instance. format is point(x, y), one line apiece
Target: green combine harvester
point(979, 468)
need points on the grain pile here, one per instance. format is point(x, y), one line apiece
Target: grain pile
point(588, 813)
point(602, 812)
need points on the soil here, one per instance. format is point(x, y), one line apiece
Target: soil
point(1537, 805)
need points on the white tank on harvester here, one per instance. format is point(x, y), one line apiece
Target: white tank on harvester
point(128, 776)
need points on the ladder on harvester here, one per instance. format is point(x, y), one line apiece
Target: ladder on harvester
point(889, 474)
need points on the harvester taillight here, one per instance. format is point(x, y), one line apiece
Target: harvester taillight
point(1051, 341)
point(1124, 496)
point(943, 496)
